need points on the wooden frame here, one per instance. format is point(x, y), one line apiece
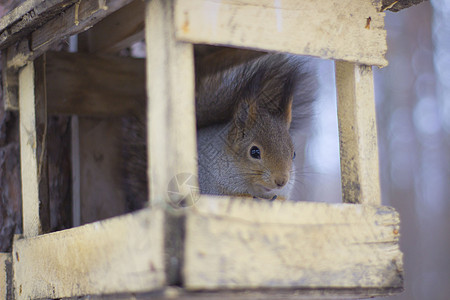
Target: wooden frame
point(294, 249)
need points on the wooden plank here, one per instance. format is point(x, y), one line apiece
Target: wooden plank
point(77, 18)
point(5, 276)
point(27, 17)
point(10, 86)
point(76, 177)
point(357, 134)
point(396, 6)
point(124, 254)
point(117, 31)
point(171, 104)
point(93, 85)
point(265, 294)
point(33, 152)
point(249, 244)
point(337, 29)
point(101, 189)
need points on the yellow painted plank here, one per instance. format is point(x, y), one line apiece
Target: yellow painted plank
point(357, 134)
point(245, 244)
point(123, 254)
point(171, 104)
point(33, 160)
point(338, 29)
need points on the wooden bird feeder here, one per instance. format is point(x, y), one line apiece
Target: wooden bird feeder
point(221, 247)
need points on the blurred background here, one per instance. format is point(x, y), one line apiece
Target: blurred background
point(413, 113)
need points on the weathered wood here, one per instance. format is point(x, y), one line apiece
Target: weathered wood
point(357, 134)
point(33, 152)
point(92, 85)
point(28, 16)
point(88, 84)
point(76, 172)
point(263, 294)
point(171, 104)
point(248, 244)
point(396, 6)
point(77, 18)
point(117, 31)
point(101, 192)
point(5, 276)
point(10, 86)
point(336, 29)
point(123, 254)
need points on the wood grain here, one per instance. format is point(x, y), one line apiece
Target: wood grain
point(27, 17)
point(5, 276)
point(94, 85)
point(33, 152)
point(123, 254)
point(101, 192)
point(335, 29)
point(117, 31)
point(75, 19)
point(247, 244)
point(171, 103)
point(357, 134)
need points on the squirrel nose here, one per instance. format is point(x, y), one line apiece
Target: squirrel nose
point(281, 181)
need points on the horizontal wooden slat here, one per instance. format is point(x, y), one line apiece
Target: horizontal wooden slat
point(27, 17)
point(124, 254)
point(117, 31)
point(337, 29)
point(77, 18)
point(249, 244)
point(263, 294)
point(92, 85)
point(87, 84)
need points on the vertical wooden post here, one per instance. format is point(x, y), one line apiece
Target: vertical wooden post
point(5, 276)
point(357, 134)
point(171, 106)
point(33, 153)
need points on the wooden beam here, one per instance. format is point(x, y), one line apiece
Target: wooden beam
point(92, 85)
point(171, 103)
point(10, 86)
point(124, 254)
point(101, 188)
point(357, 134)
point(396, 6)
point(340, 29)
point(5, 276)
point(238, 244)
point(33, 152)
point(27, 17)
point(117, 31)
point(77, 18)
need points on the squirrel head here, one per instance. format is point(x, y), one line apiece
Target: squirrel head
point(260, 143)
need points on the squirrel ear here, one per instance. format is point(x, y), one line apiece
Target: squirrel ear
point(245, 114)
point(288, 114)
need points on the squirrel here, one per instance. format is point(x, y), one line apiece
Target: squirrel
point(248, 107)
point(246, 117)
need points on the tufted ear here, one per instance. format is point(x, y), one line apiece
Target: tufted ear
point(287, 116)
point(246, 114)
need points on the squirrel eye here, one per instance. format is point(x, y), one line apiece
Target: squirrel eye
point(255, 152)
point(294, 156)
